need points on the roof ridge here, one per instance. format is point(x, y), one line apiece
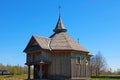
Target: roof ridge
point(50, 43)
point(41, 37)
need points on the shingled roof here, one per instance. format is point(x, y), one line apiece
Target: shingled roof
point(43, 42)
point(60, 40)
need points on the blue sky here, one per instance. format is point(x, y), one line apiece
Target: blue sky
point(95, 22)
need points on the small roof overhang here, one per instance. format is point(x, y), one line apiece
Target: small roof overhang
point(39, 63)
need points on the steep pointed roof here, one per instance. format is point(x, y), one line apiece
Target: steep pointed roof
point(59, 26)
point(60, 40)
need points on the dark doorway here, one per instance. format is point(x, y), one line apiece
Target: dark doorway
point(44, 71)
point(36, 71)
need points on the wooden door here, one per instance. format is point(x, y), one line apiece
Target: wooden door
point(36, 71)
point(45, 71)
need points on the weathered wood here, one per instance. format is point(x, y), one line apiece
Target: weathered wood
point(62, 64)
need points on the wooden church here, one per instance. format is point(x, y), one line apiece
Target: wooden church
point(58, 57)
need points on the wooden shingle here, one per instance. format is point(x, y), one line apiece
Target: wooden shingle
point(60, 40)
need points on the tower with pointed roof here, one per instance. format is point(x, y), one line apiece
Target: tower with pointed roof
point(59, 27)
point(58, 57)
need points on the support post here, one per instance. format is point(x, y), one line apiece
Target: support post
point(28, 72)
point(41, 71)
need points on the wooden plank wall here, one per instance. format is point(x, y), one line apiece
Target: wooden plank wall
point(60, 64)
point(33, 57)
point(79, 69)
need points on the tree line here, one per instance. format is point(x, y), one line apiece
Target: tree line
point(15, 70)
point(99, 66)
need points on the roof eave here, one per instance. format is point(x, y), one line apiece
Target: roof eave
point(68, 50)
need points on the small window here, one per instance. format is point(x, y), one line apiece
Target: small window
point(78, 60)
point(82, 57)
point(88, 58)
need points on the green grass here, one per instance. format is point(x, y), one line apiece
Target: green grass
point(24, 76)
point(104, 79)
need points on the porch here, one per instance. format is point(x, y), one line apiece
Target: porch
point(40, 70)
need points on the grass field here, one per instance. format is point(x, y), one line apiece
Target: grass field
point(104, 79)
point(14, 76)
point(17, 77)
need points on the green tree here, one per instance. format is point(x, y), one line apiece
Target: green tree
point(14, 70)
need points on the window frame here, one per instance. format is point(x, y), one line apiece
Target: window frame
point(78, 59)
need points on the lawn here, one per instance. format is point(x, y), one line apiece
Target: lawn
point(17, 77)
point(104, 79)
point(14, 76)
